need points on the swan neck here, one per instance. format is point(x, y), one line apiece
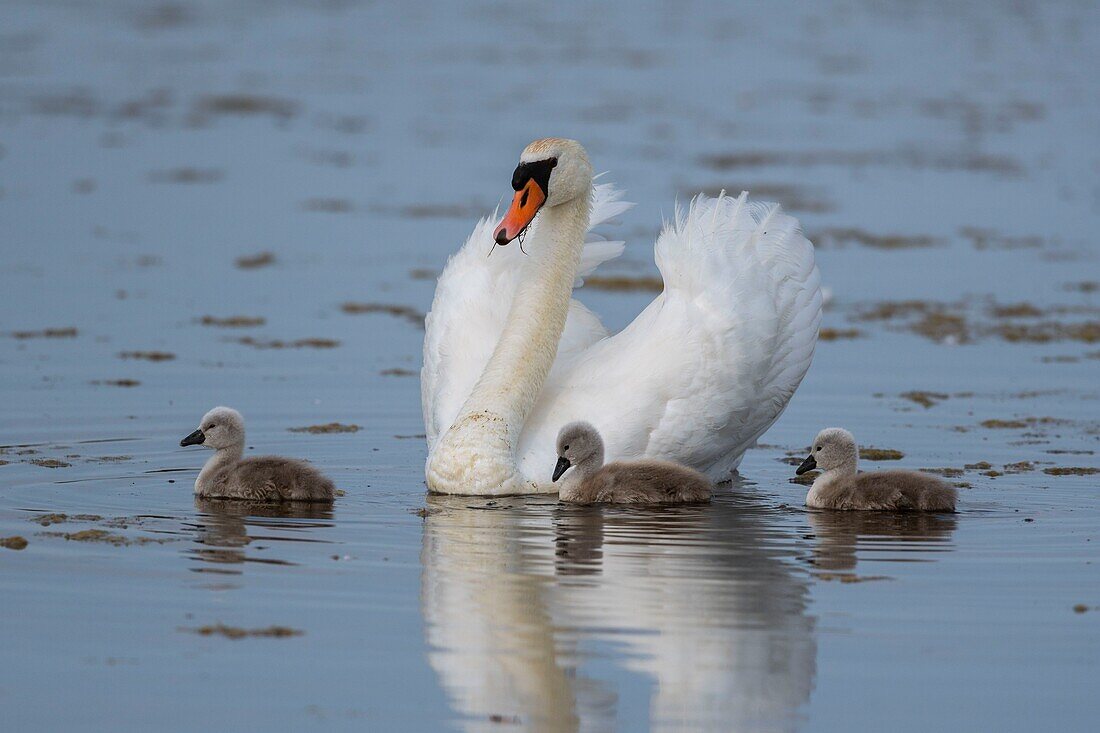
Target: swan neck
point(528, 345)
point(477, 454)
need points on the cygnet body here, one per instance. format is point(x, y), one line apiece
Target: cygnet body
point(262, 478)
point(580, 447)
point(840, 486)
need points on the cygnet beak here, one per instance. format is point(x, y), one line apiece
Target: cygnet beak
point(562, 467)
point(195, 438)
point(807, 465)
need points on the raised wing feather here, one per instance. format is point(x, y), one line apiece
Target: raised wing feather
point(711, 363)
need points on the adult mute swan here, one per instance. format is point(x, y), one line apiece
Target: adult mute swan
point(696, 378)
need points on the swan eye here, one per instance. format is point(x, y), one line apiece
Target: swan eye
point(818, 448)
point(209, 427)
point(565, 448)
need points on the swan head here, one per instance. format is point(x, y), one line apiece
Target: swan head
point(577, 442)
point(222, 427)
point(551, 171)
point(832, 448)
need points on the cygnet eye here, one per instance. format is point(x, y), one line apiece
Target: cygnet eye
point(211, 426)
point(565, 448)
point(818, 448)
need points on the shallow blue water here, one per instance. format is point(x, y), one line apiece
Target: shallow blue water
point(143, 149)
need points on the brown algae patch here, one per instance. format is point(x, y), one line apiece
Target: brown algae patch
point(58, 518)
point(256, 261)
point(102, 535)
point(233, 321)
point(971, 319)
point(236, 632)
point(397, 372)
point(979, 466)
point(13, 543)
point(1015, 310)
point(1038, 423)
point(433, 211)
point(805, 479)
point(842, 236)
point(850, 577)
point(307, 343)
point(47, 333)
point(939, 322)
point(915, 159)
point(245, 104)
point(923, 398)
point(423, 273)
point(624, 283)
point(332, 427)
point(116, 382)
point(1040, 333)
point(410, 314)
point(983, 239)
point(880, 454)
point(838, 334)
point(1003, 424)
point(148, 355)
point(946, 472)
point(49, 463)
point(1072, 471)
point(328, 205)
point(187, 175)
point(942, 327)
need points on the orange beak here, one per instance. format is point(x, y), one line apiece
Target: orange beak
point(526, 203)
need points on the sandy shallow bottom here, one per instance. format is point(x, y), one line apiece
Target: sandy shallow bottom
point(206, 203)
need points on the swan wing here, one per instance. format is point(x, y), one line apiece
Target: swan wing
point(712, 362)
point(471, 304)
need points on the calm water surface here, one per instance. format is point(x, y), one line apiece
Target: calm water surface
point(943, 157)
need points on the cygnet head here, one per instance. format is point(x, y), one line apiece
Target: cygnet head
point(551, 171)
point(832, 448)
point(578, 442)
point(222, 427)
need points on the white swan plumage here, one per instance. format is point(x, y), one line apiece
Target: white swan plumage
point(697, 377)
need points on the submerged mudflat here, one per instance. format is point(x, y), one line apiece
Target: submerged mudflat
point(206, 203)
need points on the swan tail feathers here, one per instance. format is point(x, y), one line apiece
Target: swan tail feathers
point(747, 275)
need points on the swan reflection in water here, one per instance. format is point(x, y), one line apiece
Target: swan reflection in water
point(222, 528)
point(549, 616)
point(897, 536)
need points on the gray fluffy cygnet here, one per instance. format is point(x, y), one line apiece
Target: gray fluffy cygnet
point(263, 478)
point(580, 447)
point(840, 486)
